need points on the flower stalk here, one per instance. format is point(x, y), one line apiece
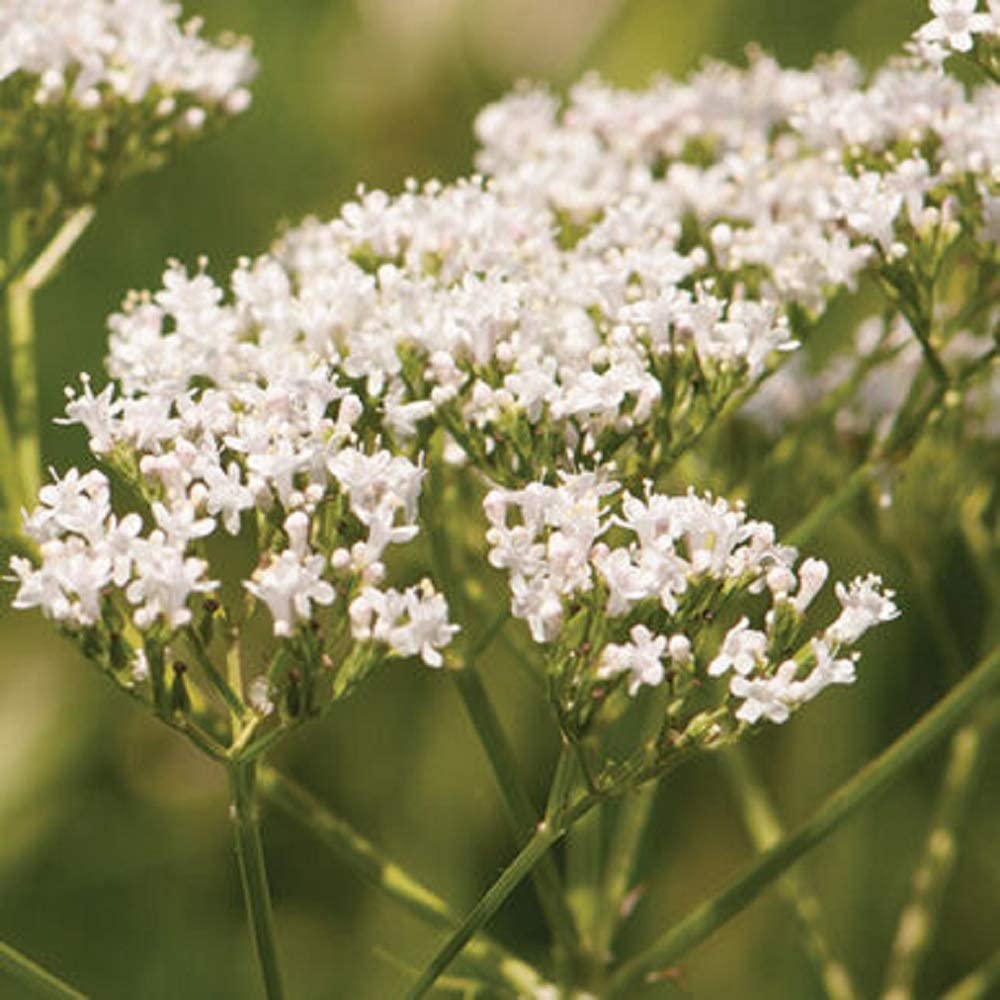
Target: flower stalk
point(253, 874)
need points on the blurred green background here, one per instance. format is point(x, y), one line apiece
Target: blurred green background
point(116, 866)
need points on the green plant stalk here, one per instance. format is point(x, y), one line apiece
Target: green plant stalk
point(250, 855)
point(623, 850)
point(23, 374)
point(919, 916)
point(583, 884)
point(10, 492)
point(365, 860)
point(765, 829)
point(20, 286)
point(626, 838)
point(33, 977)
point(546, 834)
point(978, 985)
point(520, 811)
point(840, 806)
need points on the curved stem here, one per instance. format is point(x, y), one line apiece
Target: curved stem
point(918, 918)
point(841, 805)
point(518, 807)
point(546, 834)
point(250, 854)
point(978, 985)
point(33, 977)
point(764, 827)
point(359, 854)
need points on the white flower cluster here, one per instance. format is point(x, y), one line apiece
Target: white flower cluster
point(83, 50)
point(954, 27)
point(666, 553)
point(205, 468)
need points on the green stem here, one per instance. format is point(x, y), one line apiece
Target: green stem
point(764, 826)
point(23, 374)
point(250, 854)
point(583, 882)
point(21, 283)
point(521, 813)
point(10, 492)
point(623, 851)
point(871, 779)
point(389, 878)
point(33, 977)
point(918, 919)
point(546, 834)
point(978, 985)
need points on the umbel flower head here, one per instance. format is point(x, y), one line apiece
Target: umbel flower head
point(558, 330)
point(94, 90)
point(630, 591)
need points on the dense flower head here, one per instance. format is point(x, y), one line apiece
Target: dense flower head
point(587, 557)
point(74, 72)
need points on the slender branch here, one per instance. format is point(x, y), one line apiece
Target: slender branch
point(765, 829)
point(978, 985)
point(33, 977)
point(870, 780)
point(46, 263)
point(366, 861)
point(23, 373)
point(623, 851)
point(250, 854)
point(545, 836)
point(918, 918)
point(521, 813)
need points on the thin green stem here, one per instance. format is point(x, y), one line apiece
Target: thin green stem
point(23, 374)
point(761, 820)
point(10, 489)
point(546, 834)
point(33, 977)
point(626, 839)
point(980, 984)
point(366, 861)
point(583, 882)
point(521, 813)
point(870, 780)
point(918, 918)
point(250, 854)
point(623, 851)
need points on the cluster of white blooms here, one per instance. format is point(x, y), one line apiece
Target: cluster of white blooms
point(85, 50)
point(645, 564)
point(954, 27)
point(203, 469)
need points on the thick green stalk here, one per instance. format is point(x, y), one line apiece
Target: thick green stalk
point(765, 829)
point(546, 834)
point(250, 854)
point(389, 878)
point(33, 977)
point(841, 805)
point(980, 984)
point(522, 815)
point(918, 919)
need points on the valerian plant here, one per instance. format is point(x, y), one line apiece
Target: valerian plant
point(513, 372)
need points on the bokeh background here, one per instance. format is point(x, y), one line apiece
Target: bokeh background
point(116, 866)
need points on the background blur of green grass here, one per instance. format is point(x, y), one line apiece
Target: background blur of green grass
point(115, 859)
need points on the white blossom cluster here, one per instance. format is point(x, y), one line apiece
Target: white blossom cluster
point(332, 539)
point(645, 564)
point(84, 50)
point(954, 27)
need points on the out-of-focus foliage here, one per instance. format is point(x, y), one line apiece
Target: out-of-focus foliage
point(115, 859)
